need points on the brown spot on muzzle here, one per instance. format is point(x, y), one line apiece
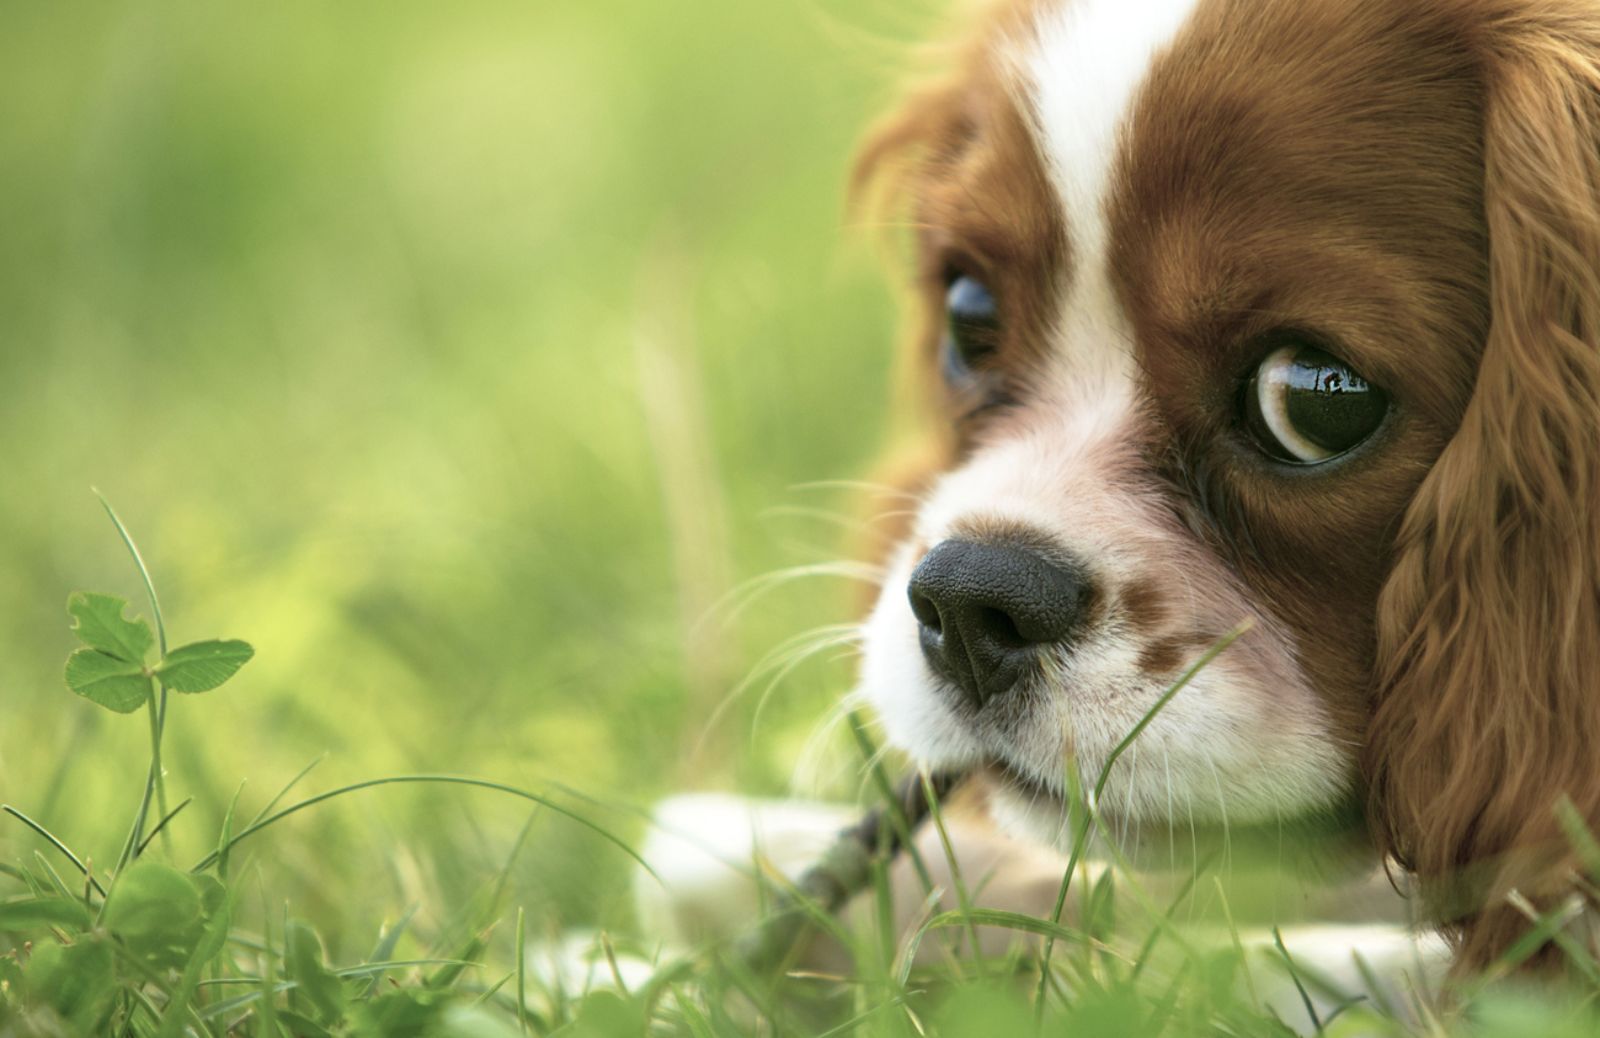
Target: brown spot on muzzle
point(1143, 606)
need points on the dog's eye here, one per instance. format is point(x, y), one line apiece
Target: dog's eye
point(1305, 406)
point(972, 325)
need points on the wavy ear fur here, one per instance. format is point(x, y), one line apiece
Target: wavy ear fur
point(1488, 705)
point(887, 164)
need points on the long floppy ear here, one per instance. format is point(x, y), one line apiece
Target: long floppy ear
point(890, 162)
point(1488, 705)
point(895, 186)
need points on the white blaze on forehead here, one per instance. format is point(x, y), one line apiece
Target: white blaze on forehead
point(1082, 71)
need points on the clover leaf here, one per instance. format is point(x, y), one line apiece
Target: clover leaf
point(115, 684)
point(100, 625)
point(203, 666)
point(151, 901)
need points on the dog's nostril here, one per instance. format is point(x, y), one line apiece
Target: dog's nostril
point(999, 625)
point(926, 612)
point(985, 610)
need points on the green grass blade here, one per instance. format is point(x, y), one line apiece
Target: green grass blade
point(522, 974)
point(57, 884)
point(456, 780)
point(1018, 921)
point(50, 838)
point(892, 806)
point(161, 825)
point(388, 940)
point(1294, 975)
point(287, 788)
point(144, 572)
point(963, 896)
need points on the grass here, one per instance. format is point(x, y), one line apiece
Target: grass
point(147, 948)
point(482, 365)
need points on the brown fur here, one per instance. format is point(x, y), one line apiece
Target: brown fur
point(1421, 179)
point(1488, 707)
point(1336, 189)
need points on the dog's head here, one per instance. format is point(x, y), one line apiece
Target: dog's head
point(1279, 311)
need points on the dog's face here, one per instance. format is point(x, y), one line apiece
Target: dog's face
point(1207, 303)
point(1278, 311)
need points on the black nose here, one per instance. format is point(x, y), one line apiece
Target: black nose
point(986, 609)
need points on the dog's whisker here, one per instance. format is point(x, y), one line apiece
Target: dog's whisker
point(1130, 791)
point(808, 767)
point(735, 601)
point(1194, 842)
point(1222, 808)
point(892, 515)
point(1172, 839)
point(794, 659)
point(864, 787)
point(840, 520)
point(860, 485)
point(782, 659)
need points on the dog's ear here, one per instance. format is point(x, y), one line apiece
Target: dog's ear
point(1488, 708)
point(896, 156)
point(907, 181)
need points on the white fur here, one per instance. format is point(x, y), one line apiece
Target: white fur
point(1383, 964)
point(705, 849)
point(898, 684)
point(1081, 74)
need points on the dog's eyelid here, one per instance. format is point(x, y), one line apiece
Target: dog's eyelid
point(1252, 346)
point(954, 266)
point(976, 405)
point(948, 253)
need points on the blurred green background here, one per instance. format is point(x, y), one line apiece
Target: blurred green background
point(460, 357)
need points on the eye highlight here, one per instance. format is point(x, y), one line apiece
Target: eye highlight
point(972, 326)
point(1305, 406)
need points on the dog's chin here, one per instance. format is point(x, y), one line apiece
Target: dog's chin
point(1038, 750)
point(1332, 839)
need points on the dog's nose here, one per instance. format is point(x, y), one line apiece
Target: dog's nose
point(986, 609)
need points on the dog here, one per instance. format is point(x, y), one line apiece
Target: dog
point(1280, 316)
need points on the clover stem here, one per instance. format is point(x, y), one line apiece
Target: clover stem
point(158, 715)
point(157, 702)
